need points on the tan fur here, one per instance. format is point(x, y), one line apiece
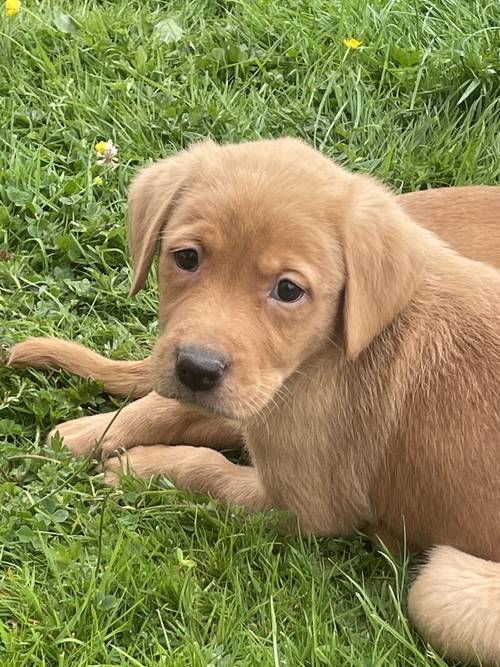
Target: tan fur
point(468, 218)
point(373, 298)
point(146, 421)
point(152, 197)
point(373, 403)
point(455, 605)
point(122, 378)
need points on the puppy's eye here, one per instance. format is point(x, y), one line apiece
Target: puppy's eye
point(287, 291)
point(187, 259)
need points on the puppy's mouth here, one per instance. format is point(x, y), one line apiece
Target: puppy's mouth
point(199, 400)
point(223, 401)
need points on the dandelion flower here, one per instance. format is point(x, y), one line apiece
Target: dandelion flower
point(352, 43)
point(12, 7)
point(107, 152)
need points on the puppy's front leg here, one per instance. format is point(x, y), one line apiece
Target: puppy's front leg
point(196, 469)
point(149, 420)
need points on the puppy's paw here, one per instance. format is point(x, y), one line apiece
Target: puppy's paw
point(91, 435)
point(140, 461)
point(175, 462)
point(113, 471)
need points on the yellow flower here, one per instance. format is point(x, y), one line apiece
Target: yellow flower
point(100, 147)
point(352, 43)
point(12, 7)
point(107, 152)
point(98, 180)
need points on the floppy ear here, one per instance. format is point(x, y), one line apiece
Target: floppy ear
point(385, 253)
point(153, 196)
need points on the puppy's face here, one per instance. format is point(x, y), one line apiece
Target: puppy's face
point(253, 269)
point(250, 277)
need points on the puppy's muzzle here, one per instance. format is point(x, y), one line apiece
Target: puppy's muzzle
point(199, 368)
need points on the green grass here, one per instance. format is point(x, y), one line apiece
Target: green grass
point(153, 576)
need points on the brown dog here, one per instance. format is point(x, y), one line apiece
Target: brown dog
point(355, 351)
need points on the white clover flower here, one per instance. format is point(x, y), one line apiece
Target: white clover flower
point(107, 153)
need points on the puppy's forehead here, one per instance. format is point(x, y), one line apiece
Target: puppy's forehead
point(246, 211)
point(248, 190)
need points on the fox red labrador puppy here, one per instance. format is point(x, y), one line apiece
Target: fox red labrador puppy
point(320, 318)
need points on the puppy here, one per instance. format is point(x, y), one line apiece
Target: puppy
point(356, 352)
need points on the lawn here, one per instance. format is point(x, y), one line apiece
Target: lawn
point(150, 575)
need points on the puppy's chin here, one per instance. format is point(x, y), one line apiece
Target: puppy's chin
point(223, 402)
point(204, 402)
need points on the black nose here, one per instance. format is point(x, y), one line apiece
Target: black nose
point(199, 369)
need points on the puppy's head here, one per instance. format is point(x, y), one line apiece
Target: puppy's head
point(267, 251)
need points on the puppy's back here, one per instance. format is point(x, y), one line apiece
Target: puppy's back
point(467, 218)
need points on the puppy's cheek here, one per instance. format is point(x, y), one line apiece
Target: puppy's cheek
point(248, 399)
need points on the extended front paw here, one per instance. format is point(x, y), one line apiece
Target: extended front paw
point(90, 436)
